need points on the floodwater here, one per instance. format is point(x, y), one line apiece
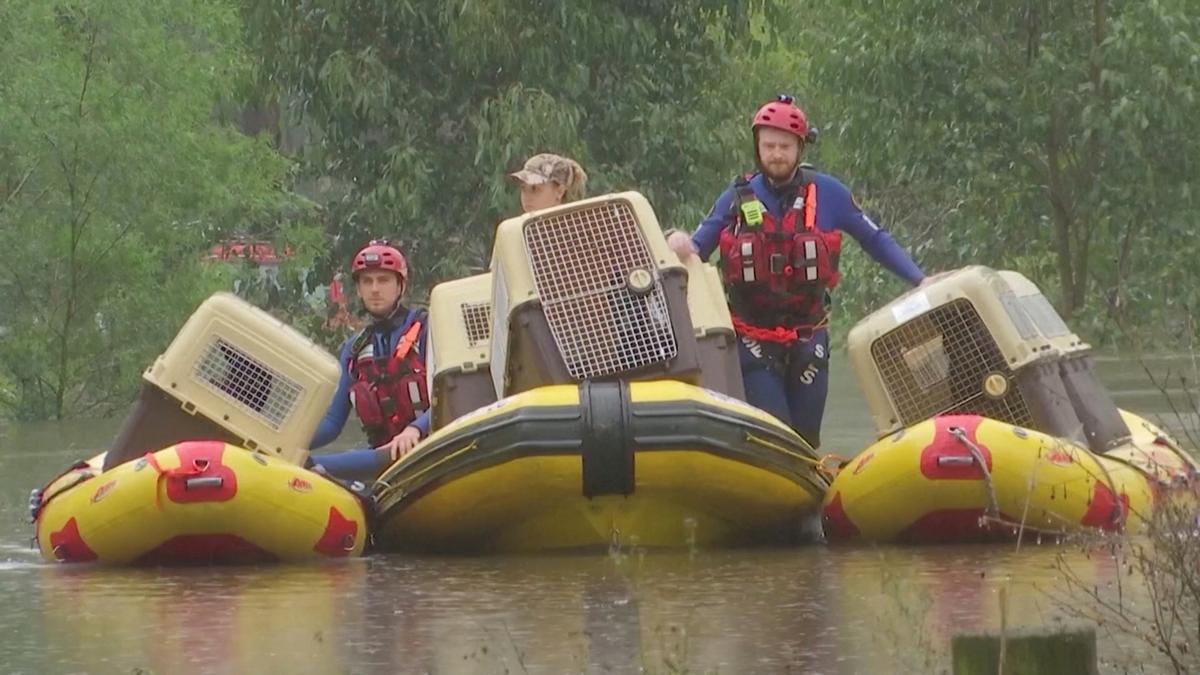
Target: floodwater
point(813, 609)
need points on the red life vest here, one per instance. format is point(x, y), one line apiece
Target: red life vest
point(777, 272)
point(388, 393)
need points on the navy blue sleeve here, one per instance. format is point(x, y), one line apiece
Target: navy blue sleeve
point(422, 423)
point(708, 235)
point(876, 241)
point(339, 408)
point(352, 464)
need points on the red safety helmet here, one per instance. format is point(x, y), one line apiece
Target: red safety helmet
point(378, 254)
point(784, 114)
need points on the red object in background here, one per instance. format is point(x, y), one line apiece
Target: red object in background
point(259, 252)
point(341, 318)
point(337, 294)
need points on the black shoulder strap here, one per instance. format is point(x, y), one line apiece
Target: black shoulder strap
point(742, 189)
point(359, 343)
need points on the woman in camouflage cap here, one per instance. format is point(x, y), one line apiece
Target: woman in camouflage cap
point(548, 180)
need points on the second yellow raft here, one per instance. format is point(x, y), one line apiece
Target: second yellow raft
point(959, 478)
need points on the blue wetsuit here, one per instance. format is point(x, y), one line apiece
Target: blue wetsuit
point(792, 382)
point(366, 462)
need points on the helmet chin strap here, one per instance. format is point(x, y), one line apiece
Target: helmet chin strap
point(396, 309)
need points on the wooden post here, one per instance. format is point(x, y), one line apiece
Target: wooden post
point(1046, 651)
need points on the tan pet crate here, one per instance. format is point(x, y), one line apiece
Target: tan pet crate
point(1046, 320)
point(590, 291)
point(962, 344)
point(233, 373)
point(720, 369)
point(460, 328)
point(1103, 426)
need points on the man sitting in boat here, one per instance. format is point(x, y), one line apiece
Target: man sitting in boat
point(383, 370)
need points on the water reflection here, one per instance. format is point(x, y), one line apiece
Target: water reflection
point(811, 610)
point(653, 612)
point(238, 620)
point(911, 602)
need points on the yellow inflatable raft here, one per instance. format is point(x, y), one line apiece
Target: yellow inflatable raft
point(199, 502)
point(992, 420)
point(660, 464)
point(958, 478)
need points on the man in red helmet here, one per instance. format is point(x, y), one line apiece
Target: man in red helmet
point(779, 232)
point(383, 370)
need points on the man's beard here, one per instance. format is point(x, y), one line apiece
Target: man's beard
point(770, 172)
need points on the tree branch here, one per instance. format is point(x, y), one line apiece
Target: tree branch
point(96, 258)
point(12, 196)
point(68, 175)
point(89, 60)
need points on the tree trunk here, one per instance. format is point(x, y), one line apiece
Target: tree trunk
point(1092, 167)
point(1117, 303)
point(1063, 212)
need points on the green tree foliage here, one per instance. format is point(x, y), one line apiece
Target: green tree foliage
point(1058, 138)
point(1055, 138)
point(419, 108)
point(113, 180)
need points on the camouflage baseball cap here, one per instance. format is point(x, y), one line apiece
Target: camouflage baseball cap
point(544, 168)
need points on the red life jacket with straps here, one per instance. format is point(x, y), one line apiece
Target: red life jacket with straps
point(777, 271)
point(388, 392)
